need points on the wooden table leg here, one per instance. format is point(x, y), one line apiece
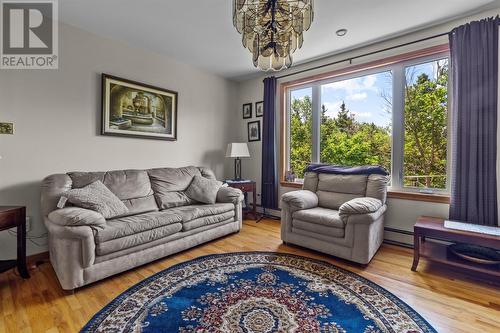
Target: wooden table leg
point(416, 250)
point(21, 246)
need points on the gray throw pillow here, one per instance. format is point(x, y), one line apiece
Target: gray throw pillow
point(97, 197)
point(203, 189)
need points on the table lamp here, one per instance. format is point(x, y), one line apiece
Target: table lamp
point(237, 150)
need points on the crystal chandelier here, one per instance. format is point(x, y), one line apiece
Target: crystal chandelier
point(272, 29)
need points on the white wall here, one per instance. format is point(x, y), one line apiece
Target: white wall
point(57, 120)
point(401, 214)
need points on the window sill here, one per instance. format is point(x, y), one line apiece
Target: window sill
point(291, 184)
point(417, 196)
point(405, 195)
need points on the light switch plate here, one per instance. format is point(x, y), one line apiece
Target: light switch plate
point(6, 128)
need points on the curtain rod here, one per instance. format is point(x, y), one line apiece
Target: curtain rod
point(363, 55)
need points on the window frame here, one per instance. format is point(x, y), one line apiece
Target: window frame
point(396, 65)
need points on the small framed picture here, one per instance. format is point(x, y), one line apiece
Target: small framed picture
point(259, 109)
point(247, 110)
point(253, 131)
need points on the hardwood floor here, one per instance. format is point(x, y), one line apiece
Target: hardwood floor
point(449, 301)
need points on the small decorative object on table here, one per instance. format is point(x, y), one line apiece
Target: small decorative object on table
point(290, 176)
point(475, 253)
point(10, 217)
point(432, 227)
point(247, 186)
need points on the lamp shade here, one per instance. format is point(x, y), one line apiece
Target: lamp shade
point(237, 149)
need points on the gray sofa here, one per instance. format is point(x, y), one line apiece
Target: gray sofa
point(342, 215)
point(161, 220)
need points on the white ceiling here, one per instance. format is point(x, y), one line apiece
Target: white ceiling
point(200, 32)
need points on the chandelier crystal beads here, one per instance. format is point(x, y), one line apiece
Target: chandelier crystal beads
point(272, 29)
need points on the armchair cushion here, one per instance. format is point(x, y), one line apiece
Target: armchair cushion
point(74, 216)
point(302, 199)
point(228, 194)
point(319, 215)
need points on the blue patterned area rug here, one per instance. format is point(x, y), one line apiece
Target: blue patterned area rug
point(257, 292)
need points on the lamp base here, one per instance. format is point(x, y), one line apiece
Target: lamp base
point(237, 169)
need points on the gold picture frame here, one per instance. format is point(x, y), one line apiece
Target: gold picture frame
point(139, 110)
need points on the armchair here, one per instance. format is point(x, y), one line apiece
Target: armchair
point(342, 215)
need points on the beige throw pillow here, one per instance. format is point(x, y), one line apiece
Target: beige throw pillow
point(97, 197)
point(203, 189)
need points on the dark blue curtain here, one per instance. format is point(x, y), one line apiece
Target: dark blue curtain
point(269, 171)
point(474, 78)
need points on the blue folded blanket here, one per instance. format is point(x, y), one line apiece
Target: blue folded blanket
point(347, 170)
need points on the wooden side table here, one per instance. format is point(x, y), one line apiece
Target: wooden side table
point(10, 217)
point(431, 227)
point(247, 187)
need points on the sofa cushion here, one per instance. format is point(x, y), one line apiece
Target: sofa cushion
point(318, 228)
point(129, 231)
point(131, 186)
point(141, 205)
point(129, 225)
point(97, 197)
point(147, 236)
point(207, 173)
point(208, 220)
point(189, 213)
point(169, 184)
point(319, 215)
point(125, 184)
point(203, 189)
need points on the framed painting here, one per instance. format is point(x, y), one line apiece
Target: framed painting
point(259, 109)
point(138, 110)
point(254, 131)
point(247, 110)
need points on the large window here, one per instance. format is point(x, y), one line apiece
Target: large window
point(356, 118)
point(394, 116)
point(301, 141)
point(425, 124)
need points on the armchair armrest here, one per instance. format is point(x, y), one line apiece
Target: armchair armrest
point(76, 216)
point(365, 210)
point(302, 199)
point(230, 195)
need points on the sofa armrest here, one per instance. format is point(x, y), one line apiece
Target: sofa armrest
point(361, 210)
point(302, 199)
point(76, 216)
point(70, 246)
point(229, 195)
